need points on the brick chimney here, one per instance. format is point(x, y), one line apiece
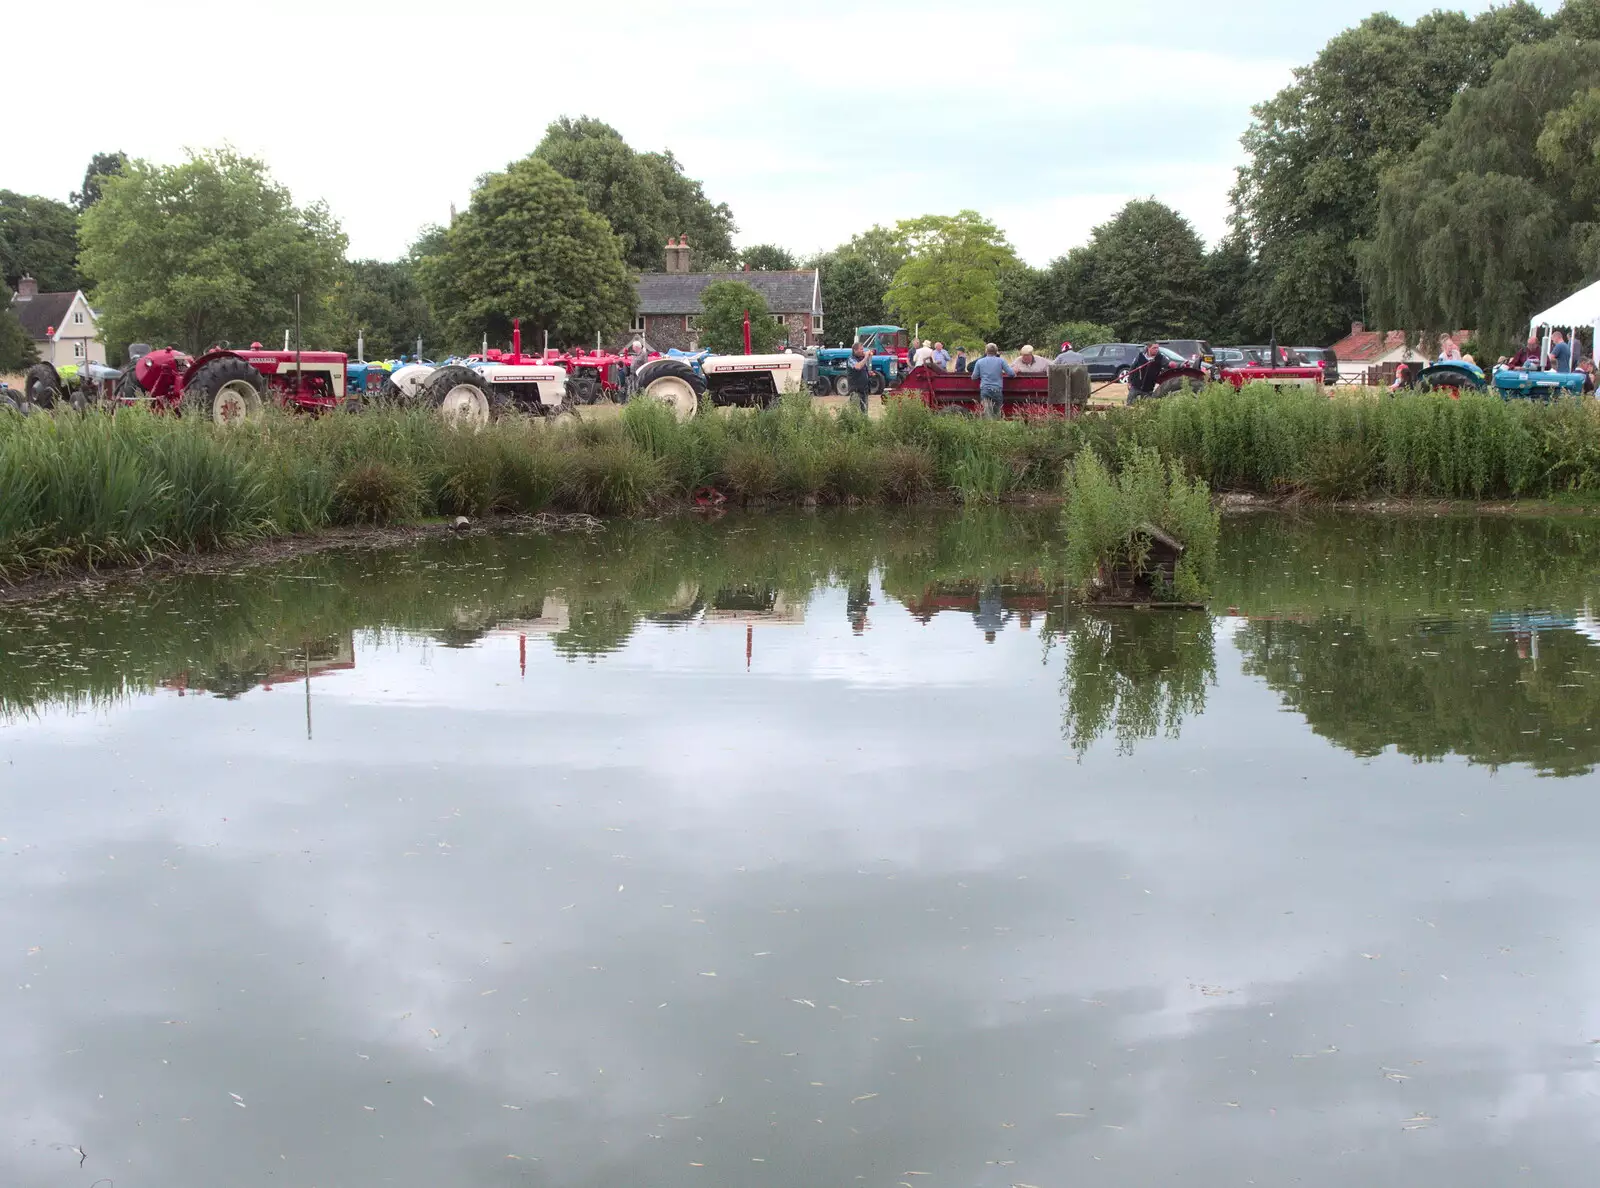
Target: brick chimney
point(27, 288)
point(1357, 327)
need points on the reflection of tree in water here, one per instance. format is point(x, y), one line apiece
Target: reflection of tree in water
point(1431, 689)
point(1133, 675)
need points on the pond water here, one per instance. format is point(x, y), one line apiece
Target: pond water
point(809, 850)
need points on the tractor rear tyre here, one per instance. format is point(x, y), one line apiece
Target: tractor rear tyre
point(42, 386)
point(462, 397)
point(671, 382)
point(127, 389)
point(226, 390)
point(1179, 383)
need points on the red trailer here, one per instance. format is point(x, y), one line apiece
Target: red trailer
point(1022, 395)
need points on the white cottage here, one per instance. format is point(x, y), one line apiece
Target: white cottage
point(62, 326)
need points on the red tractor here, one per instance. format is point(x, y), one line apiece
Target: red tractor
point(594, 375)
point(229, 386)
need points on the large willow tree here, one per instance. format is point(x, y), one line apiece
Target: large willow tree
point(1494, 216)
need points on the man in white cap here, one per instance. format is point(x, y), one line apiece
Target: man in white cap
point(1028, 363)
point(924, 355)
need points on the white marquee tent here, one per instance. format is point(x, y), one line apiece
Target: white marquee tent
point(1582, 309)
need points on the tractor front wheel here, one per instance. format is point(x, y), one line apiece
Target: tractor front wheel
point(42, 386)
point(822, 386)
point(462, 397)
point(875, 383)
point(841, 385)
point(1179, 383)
point(582, 389)
point(227, 390)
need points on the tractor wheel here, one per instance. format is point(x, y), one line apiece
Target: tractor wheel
point(875, 384)
point(127, 389)
point(674, 383)
point(1179, 383)
point(841, 385)
point(582, 389)
point(227, 390)
point(822, 386)
point(42, 386)
point(462, 397)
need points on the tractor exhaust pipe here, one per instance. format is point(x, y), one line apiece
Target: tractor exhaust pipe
point(516, 338)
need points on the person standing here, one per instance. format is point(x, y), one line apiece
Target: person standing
point(1029, 363)
point(1143, 375)
point(991, 371)
point(941, 357)
point(924, 355)
point(1068, 356)
point(1448, 349)
point(960, 367)
point(860, 376)
point(1560, 352)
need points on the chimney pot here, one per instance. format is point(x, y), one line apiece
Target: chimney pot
point(1357, 327)
point(27, 288)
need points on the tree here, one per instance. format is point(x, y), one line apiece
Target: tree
point(101, 165)
point(16, 348)
point(614, 181)
point(709, 226)
point(1233, 281)
point(766, 257)
point(1493, 215)
point(528, 246)
point(950, 282)
point(1028, 311)
point(1143, 273)
point(722, 321)
point(38, 238)
point(855, 276)
point(211, 250)
point(1318, 147)
point(381, 301)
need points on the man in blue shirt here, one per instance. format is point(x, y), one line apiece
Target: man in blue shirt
point(991, 371)
point(1560, 352)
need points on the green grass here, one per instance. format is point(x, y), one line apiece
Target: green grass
point(113, 490)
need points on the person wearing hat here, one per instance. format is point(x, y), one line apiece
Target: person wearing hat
point(1068, 355)
point(924, 355)
point(1028, 363)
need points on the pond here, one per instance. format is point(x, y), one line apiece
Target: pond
point(809, 849)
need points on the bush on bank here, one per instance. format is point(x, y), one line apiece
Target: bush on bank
point(97, 489)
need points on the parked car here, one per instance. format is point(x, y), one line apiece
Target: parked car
point(1230, 356)
point(1112, 360)
point(1197, 349)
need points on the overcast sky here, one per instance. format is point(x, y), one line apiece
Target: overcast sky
point(811, 121)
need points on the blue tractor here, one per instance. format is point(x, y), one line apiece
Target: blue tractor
point(889, 356)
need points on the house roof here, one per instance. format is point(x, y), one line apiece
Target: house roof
point(679, 292)
point(1367, 346)
point(40, 313)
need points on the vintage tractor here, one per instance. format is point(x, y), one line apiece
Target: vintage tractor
point(228, 385)
point(474, 391)
point(744, 381)
point(889, 361)
point(594, 375)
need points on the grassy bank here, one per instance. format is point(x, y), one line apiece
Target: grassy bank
point(98, 489)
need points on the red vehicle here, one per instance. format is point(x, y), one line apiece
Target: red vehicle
point(594, 375)
point(1021, 396)
point(229, 386)
point(1250, 372)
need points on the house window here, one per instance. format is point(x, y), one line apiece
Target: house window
point(77, 317)
point(778, 318)
point(77, 348)
point(688, 323)
point(816, 323)
point(638, 323)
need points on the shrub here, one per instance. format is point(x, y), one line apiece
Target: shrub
point(375, 493)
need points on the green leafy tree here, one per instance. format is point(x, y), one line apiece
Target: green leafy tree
point(1079, 334)
point(1317, 149)
point(382, 302)
point(101, 166)
point(723, 306)
point(1142, 273)
point(708, 225)
point(854, 278)
point(38, 238)
point(211, 250)
point(16, 348)
point(1493, 216)
point(615, 182)
point(528, 246)
point(1235, 311)
point(766, 257)
point(1027, 312)
point(950, 282)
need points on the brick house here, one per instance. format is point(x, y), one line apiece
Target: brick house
point(61, 326)
point(669, 301)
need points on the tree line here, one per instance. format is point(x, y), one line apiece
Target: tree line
point(1425, 176)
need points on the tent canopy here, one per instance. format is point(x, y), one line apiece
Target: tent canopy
point(1580, 309)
